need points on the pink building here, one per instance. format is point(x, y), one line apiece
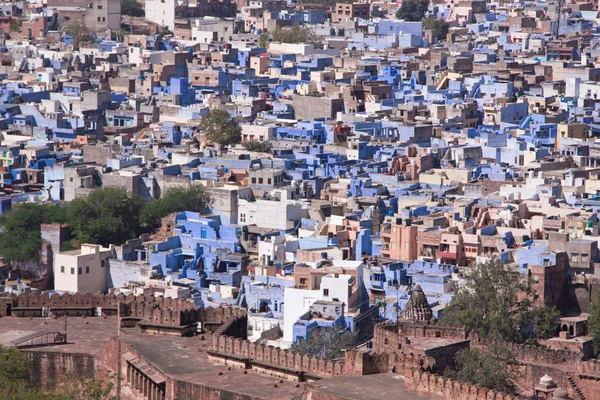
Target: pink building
point(399, 240)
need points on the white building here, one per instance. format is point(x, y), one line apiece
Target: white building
point(272, 249)
point(271, 214)
point(82, 270)
point(332, 287)
point(162, 12)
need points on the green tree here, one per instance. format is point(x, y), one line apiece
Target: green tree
point(594, 324)
point(494, 368)
point(544, 321)
point(73, 388)
point(80, 34)
point(294, 34)
point(492, 41)
point(412, 10)
point(255, 145)
point(13, 376)
point(438, 26)
point(20, 238)
point(219, 127)
point(326, 342)
point(106, 216)
point(183, 198)
point(132, 8)
point(263, 39)
point(488, 302)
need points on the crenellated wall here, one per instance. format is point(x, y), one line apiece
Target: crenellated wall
point(150, 309)
point(272, 360)
point(438, 387)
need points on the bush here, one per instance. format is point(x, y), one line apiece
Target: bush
point(261, 147)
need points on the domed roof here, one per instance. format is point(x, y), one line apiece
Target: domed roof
point(417, 308)
point(546, 379)
point(560, 394)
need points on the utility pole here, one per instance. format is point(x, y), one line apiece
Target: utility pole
point(119, 350)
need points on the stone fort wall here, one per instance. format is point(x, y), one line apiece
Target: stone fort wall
point(151, 309)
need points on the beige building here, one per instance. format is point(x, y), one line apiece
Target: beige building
point(575, 131)
point(82, 270)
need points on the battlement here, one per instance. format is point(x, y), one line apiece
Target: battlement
point(271, 360)
point(151, 312)
point(438, 387)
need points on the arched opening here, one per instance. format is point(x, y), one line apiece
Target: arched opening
point(571, 330)
point(263, 307)
point(564, 328)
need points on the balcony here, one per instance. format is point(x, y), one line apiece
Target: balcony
point(448, 255)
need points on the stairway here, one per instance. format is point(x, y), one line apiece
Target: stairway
point(575, 388)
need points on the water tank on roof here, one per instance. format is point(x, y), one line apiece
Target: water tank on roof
point(541, 174)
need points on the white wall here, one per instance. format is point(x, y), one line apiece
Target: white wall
point(337, 287)
point(161, 12)
point(297, 302)
point(90, 280)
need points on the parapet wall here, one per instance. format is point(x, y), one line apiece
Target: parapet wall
point(272, 360)
point(154, 310)
point(438, 387)
point(388, 337)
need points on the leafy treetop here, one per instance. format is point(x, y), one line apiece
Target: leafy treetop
point(221, 128)
point(328, 342)
point(412, 10)
point(494, 303)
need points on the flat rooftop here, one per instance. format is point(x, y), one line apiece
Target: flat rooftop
point(182, 358)
point(367, 387)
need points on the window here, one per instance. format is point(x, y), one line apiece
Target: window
point(102, 263)
point(324, 309)
point(79, 270)
point(87, 270)
point(72, 271)
point(99, 19)
point(260, 181)
point(99, 7)
point(325, 292)
point(242, 217)
point(303, 281)
point(253, 180)
point(62, 269)
point(269, 181)
point(103, 19)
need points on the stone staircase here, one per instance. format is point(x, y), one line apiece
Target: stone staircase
point(576, 388)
